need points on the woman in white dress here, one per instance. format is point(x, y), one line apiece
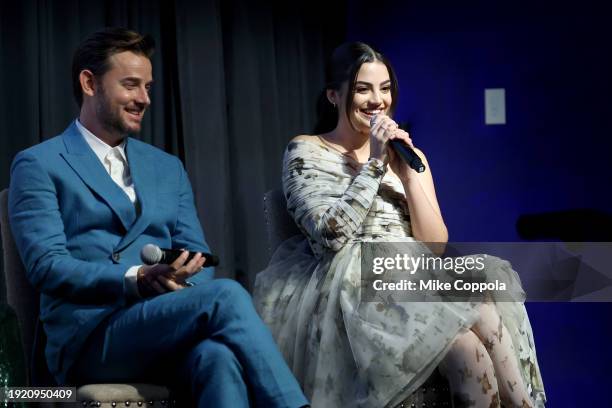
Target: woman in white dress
point(344, 186)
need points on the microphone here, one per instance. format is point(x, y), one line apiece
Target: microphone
point(405, 152)
point(152, 254)
point(409, 156)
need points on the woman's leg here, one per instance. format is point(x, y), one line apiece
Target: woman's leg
point(470, 372)
point(496, 339)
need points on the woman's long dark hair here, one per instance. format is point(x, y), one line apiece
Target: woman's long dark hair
point(343, 66)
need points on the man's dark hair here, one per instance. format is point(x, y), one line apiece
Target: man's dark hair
point(94, 52)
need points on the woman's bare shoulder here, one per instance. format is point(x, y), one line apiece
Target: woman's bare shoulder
point(307, 138)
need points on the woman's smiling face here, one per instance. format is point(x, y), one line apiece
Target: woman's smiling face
point(371, 95)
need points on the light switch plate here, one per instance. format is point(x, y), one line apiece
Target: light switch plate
point(495, 106)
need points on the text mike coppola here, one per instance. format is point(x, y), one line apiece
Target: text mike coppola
point(152, 254)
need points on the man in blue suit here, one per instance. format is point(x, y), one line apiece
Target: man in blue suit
point(84, 203)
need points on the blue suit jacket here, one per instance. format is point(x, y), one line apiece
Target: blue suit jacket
point(78, 233)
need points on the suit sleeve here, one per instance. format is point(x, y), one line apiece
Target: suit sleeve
point(188, 232)
point(38, 230)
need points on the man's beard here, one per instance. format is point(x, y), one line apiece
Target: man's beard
point(110, 119)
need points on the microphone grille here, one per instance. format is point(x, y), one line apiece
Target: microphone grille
point(150, 254)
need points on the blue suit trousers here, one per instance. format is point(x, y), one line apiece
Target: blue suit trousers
point(207, 338)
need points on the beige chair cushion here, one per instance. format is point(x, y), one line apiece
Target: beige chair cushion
point(136, 394)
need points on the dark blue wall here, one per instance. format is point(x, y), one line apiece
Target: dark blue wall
point(554, 153)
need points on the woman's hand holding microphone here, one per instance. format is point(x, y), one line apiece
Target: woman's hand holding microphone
point(383, 129)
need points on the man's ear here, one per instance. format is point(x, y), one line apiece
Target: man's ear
point(333, 96)
point(88, 82)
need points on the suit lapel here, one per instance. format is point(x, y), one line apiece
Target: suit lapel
point(86, 164)
point(142, 168)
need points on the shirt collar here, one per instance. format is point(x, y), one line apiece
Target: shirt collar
point(99, 147)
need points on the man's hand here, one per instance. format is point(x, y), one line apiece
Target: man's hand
point(159, 278)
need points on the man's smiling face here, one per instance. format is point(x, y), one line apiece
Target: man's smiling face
point(123, 93)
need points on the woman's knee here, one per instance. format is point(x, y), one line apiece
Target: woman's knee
point(465, 341)
point(490, 326)
point(467, 350)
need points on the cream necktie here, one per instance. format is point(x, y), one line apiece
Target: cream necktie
point(118, 172)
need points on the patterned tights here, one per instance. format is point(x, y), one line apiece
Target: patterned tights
point(481, 367)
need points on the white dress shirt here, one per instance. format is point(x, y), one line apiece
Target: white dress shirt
point(102, 150)
point(107, 154)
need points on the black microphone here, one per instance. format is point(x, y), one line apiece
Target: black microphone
point(152, 254)
point(409, 156)
point(405, 152)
